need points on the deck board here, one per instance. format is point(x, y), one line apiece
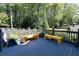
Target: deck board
point(41, 47)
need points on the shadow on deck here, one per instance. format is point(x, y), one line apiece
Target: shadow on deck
point(41, 47)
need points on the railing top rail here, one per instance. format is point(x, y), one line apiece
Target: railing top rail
point(32, 31)
point(65, 31)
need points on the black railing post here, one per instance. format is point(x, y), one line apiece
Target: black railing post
point(0, 40)
point(52, 30)
point(78, 38)
point(69, 35)
point(77, 42)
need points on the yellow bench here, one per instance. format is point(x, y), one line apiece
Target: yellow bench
point(35, 36)
point(26, 37)
point(58, 39)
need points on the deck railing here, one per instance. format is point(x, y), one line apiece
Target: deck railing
point(23, 31)
point(67, 35)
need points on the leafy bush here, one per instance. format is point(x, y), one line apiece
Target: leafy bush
point(13, 35)
point(3, 18)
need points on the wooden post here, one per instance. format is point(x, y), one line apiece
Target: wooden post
point(52, 30)
point(0, 40)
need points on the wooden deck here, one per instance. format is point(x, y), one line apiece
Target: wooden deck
point(41, 47)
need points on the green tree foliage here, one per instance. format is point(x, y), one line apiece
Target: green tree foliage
point(37, 15)
point(3, 18)
point(57, 13)
point(69, 13)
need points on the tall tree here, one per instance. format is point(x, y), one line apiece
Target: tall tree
point(57, 13)
point(69, 13)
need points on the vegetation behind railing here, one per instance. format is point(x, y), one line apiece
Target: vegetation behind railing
point(16, 33)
